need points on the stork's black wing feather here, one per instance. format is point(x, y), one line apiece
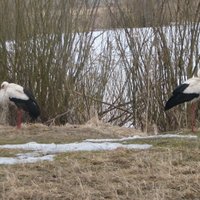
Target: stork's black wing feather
point(31, 106)
point(179, 98)
point(180, 88)
point(29, 94)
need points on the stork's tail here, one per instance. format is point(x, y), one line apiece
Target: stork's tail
point(33, 109)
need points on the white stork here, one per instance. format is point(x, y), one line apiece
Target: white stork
point(22, 98)
point(189, 91)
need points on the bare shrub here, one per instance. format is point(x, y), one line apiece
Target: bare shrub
point(126, 74)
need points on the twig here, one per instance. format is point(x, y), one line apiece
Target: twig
point(106, 103)
point(52, 120)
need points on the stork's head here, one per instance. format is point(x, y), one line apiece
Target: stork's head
point(4, 85)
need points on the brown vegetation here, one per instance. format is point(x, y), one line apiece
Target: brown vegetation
point(51, 53)
point(169, 171)
point(120, 174)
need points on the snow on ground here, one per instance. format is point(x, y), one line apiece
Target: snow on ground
point(136, 137)
point(82, 146)
point(23, 159)
point(49, 150)
point(42, 152)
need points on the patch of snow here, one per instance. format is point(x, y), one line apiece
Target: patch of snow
point(136, 137)
point(42, 152)
point(82, 146)
point(24, 159)
point(47, 149)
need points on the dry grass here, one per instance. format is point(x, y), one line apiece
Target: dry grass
point(170, 170)
point(62, 134)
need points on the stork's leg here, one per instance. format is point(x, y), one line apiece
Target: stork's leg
point(19, 118)
point(193, 109)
